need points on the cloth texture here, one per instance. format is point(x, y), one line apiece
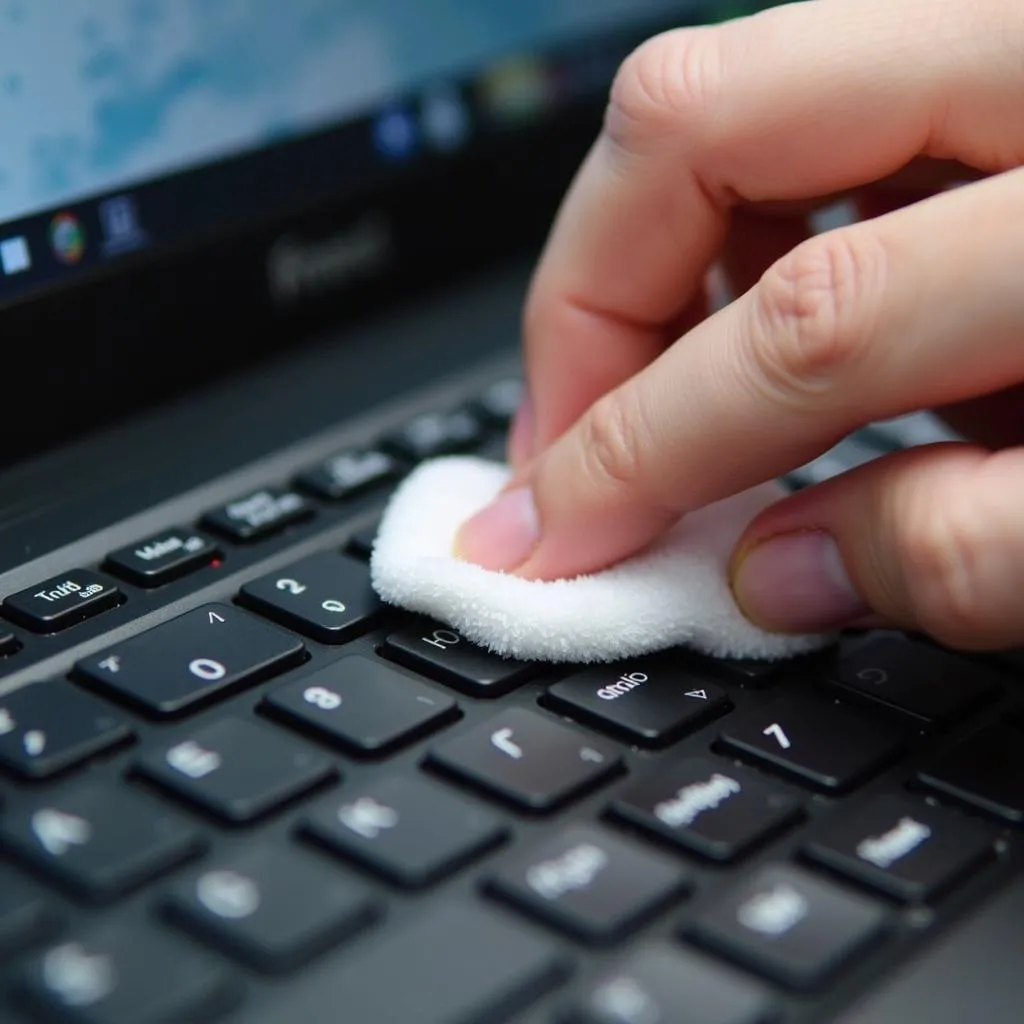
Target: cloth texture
point(675, 593)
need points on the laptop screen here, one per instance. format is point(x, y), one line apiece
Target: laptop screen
point(134, 125)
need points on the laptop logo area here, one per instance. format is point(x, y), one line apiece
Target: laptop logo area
point(298, 270)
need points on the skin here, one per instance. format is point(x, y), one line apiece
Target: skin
point(718, 142)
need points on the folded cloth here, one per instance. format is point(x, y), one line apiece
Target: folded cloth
point(674, 593)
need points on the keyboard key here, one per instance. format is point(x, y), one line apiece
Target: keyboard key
point(348, 474)
point(789, 925)
point(163, 557)
point(650, 701)
point(236, 769)
point(191, 661)
point(985, 771)
point(408, 829)
point(360, 544)
point(827, 745)
point(272, 909)
point(706, 807)
point(258, 515)
point(455, 962)
point(589, 882)
point(127, 975)
point(363, 704)
point(500, 402)
point(98, 840)
point(436, 433)
point(26, 916)
point(920, 681)
point(62, 601)
point(47, 727)
point(443, 654)
point(904, 848)
point(528, 760)
point(660, 983)
point(326, 596)
point(750, 673)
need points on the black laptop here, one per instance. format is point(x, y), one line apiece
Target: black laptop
point(258, 259)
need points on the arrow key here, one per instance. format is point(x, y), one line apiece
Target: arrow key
point(649, 701)
point(99, 841)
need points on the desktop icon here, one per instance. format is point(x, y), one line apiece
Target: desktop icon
point(395, 134)
point(445, 119)
point(15, 257)
point(119, 219)
point(67, 238)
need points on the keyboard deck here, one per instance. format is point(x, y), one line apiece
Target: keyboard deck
point(257, 795)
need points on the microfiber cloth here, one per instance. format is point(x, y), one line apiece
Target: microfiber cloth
point(675, 593)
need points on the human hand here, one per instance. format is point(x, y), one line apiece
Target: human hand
point(717, 143)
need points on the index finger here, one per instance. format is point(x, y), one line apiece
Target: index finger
point(801, 101)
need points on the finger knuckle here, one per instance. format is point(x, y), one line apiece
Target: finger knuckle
point(613, 444)
point(813, 314)
point(944, 551)
point(668, 87)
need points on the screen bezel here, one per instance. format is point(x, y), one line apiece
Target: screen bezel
point(146, 330)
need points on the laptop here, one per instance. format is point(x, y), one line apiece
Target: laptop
point(257, 260)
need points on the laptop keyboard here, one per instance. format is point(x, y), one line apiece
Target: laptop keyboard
point(260, 795)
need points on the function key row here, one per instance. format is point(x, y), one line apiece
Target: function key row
point(79, 594)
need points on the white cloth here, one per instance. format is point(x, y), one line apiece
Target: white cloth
point(674, 593)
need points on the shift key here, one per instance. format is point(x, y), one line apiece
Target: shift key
point(62, 601)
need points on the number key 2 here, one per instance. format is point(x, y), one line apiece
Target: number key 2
point(830, 746)
point(327, 597)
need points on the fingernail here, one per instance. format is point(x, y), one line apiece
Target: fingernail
point(503, 535)
point(520, 440)
point(796, 583)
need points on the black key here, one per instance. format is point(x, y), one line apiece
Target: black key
point(258, 515)
point(162, 557)
point(527, 759)
point(192, 660)
point(363, 704)
point(455, 963)
point(789, 925)
point(904, 848)
point(590, 882)
point(127, 975)
point(62, 601)
point(660, 983)
point(26, 916)
point(360, 544)
point(651, 701)
point(273, 909)
point(751, 673)
point(985, 771)
point(350, 473)
point(9, 643)
point(442, 653)
point(47, 727)
point(408, 829)
point(436, 433)
point(326, 596)
point(707, 807)
point(825, 744)
point(98, 840)
point(500, 402)
point(236, 769)
point(920, 681)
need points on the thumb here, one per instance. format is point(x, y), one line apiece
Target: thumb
point(927, 540)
